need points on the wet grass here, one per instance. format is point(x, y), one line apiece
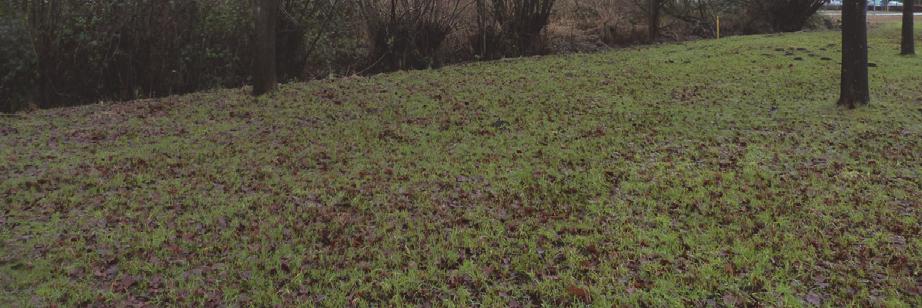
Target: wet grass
point(710, 172)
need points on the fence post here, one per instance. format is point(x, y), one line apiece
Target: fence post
point(718, 27)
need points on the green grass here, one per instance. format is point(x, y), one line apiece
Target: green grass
point(683, 174)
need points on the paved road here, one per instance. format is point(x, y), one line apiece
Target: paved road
point(870, 13)
point(874, 17)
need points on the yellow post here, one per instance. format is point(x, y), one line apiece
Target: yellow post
point(718, 27)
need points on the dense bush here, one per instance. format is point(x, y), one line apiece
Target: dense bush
point(100, 50)
point(408, 33)
point(511, 27)
point(90, 50)
point(788, 15)
point(744, 16)
point(318, 38)
point(17, 61)
point(699, 17)
point(66, 52)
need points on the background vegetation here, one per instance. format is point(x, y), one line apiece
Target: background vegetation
point(67, 52)
point(664, 175)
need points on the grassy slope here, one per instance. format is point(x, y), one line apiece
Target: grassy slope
point(688, 173)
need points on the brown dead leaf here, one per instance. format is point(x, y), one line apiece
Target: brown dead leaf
point(579, 293)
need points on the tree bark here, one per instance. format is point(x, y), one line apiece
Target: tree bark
point(653, 20)
point(264, 71)
point(855, 90)
point(909, 44)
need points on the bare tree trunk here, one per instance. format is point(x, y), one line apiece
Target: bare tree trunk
point(264, 72)
point(855, 90)
point(482, 26)
point(44, 18)
point(653, 20)
point(909, 44)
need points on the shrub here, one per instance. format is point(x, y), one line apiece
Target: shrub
point(96, 50)
point(699, 16)
point(17, 61)
point(408, 33)
point(317, 38)
point(785, 15)
point(66, 52)
point(745, 16)
point(89, 50)
point(511, 27)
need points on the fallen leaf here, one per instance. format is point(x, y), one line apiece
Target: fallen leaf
point(580, 293)
point(813, 299)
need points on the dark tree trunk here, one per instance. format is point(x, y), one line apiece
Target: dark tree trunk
point(855, 90)
point(653, 20)
point(909, 44)
point(264, 71)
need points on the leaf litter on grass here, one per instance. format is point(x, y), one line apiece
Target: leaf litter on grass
point(670, 175)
